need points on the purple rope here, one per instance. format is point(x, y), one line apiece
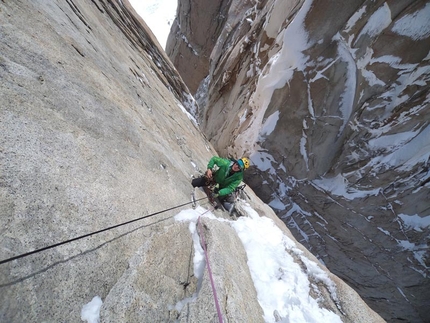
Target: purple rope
point(202, 241)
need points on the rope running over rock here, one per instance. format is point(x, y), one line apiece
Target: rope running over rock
point(93, 233)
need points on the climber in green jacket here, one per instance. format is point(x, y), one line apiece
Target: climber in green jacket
point(225, 174)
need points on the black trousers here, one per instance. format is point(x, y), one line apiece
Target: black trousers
point(204, 181)
point(201, 181)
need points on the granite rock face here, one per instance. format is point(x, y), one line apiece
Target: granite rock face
point(192, 37)
point(331, 101)
point(95, 133)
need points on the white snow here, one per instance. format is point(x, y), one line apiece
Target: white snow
point(339, 186)
point(365, 61)
point(275, 18)
point(415, 221)
point(276, 203)
point(263, 161)
point(377, 22)
point(384, 231)
point(419, 251)
point(243, 117)
point(417, 150)
point(186, 41)
point(295, 208)
point(416, 25)
point(303, 142)
point(354, 18)
point(199, 260)
point(407, 245)
point(269, 125)
point(346, 103)
point(189, 115)
point(391, 141)
point(408, 74)
point(91, 312)
point(282, 285)
point(403, 294)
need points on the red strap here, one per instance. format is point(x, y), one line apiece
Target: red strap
point(203, 243)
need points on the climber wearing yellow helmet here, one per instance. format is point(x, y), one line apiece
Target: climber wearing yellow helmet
point(226, 174)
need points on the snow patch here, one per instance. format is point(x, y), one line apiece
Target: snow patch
point(416, 151)
point(303, 142)
point(282, 286)
point(199, 259)
point(377, 22)
point(269, 125)
point(347, 98)
point(354, 18)
point(91, 311)
point(415, 221)
point(389, 142)
point(276, 203)
point(189, 115)
point(263, 161)
point(339, 186)
point(415, 26)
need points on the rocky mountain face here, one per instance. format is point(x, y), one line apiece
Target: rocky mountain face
point(204, 27)
point(331, 101)
point(95, 133)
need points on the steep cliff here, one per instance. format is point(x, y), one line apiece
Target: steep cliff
point(96, 139)
point(331, 101)
point(201, 22)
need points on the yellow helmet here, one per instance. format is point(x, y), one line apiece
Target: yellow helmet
point(244, 161)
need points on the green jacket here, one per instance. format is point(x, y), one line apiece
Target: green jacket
point(227, 184)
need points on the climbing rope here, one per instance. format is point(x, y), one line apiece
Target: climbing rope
point(93, 233)
point(203, 243)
